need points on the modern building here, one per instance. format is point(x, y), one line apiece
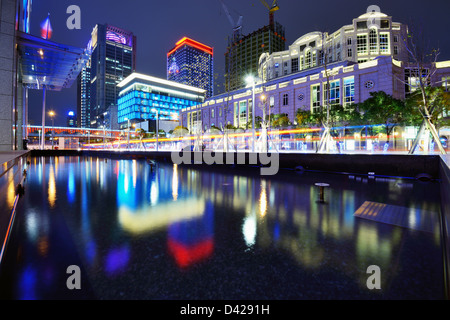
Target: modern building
point(358, 42)
point(242, 55)
point(113, 59)
point(145, 98)
point(191, 62)
point(84, 97)
point(71, 119)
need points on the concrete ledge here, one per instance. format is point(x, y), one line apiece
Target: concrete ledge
point(409, 166)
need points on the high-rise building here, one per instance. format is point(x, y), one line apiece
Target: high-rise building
point(84, 97)
point(242, 55)
point(113, 59)
point(71, 119)
point(191, 63)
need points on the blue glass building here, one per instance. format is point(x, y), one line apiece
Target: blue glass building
point(143, 97)
point(191, 63)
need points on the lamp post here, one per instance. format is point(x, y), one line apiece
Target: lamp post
point(157, 128)
point(251, 81)
point(128, 133)
point(104, 136)
point(52, 114)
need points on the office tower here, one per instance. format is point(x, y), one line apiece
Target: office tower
point(84, 97)
point(191, 62)
point(242, 55)
point(71, 119)
point(113, 59)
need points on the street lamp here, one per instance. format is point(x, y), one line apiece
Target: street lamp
point(104, 136)
point(157, 127)
point(128, 133)
point(251, 81)
point(52, 114)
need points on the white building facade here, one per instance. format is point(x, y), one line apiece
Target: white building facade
point(358, 61)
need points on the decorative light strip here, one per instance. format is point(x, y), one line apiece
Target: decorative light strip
point(135, 75)
point(191, 43)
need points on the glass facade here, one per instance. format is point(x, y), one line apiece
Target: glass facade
point(139, 102)
point(191, 63)
point(113, 59)
point(84, 97)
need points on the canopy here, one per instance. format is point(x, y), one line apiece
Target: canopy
point(44, 62)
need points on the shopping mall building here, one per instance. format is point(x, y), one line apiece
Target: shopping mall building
point(356, 59)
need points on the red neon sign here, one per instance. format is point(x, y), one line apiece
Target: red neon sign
point(191, 43)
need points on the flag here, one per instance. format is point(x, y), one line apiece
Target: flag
point(46, 28)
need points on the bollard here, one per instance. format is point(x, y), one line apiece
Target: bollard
point(321, 191)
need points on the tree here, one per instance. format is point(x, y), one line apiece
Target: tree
point(382, 108)
point(141, 135)
point(303, 118)
point(439, 102)
point(280, 120)
point(422, 69)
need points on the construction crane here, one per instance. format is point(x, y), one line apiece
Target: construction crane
point(272, 10)
point(237, 26)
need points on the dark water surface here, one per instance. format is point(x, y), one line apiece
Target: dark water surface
point(203, 233)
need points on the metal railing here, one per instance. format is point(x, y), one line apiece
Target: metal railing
point(19, 190)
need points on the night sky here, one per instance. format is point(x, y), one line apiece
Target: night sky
point(158, 25)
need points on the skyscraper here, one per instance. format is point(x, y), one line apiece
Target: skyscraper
point(191, 63)
point(242, 55)
point(71, 119)
point(84, 97)
point(113, 59)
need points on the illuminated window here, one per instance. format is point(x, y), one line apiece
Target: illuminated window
point(242, 113)
point(308, 60)
point(334, 92)
point(361, 44)
point(315, 97)
point(384, 42)
point(349, 90)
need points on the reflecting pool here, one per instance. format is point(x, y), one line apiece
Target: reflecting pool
point(190, 232)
